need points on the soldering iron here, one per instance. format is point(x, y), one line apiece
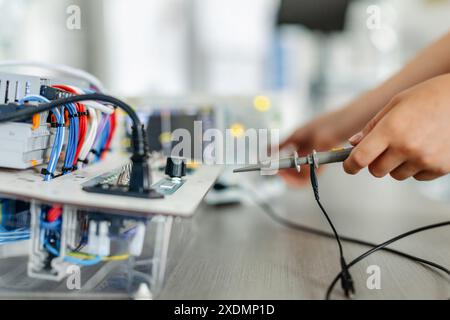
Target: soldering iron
point(316, 158)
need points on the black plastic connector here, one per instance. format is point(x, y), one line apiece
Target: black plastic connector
point(140, 177)
point(346, 280)
point(54, 93)
point(140, 181)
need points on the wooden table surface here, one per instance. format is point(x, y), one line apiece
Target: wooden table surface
point(238, 252)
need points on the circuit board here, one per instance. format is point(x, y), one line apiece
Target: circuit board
point(179, 200)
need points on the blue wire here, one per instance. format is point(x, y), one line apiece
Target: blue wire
point(7, 235)
point(50, 249)
point(59, 136)
point(82, 262)
point(103, 138)
point(51, 225)
point(73, 137)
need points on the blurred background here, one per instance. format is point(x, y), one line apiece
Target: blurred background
point(306, 55)
point(268, 63)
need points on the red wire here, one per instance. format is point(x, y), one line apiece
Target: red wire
point(82, 121)
point(54, 213)
point(112, 129)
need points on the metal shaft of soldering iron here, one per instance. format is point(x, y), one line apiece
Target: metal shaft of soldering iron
point(338, 155)
point(280, 164)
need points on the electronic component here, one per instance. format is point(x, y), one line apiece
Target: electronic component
point(175, 167)
point(83, 214)
point(24, 144)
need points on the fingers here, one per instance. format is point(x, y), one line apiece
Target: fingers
point(370, 143)
point(388, 161)
point(426, 175)
point(370, 148)
point(404, 171)
point(394, 101)
point(355, 139)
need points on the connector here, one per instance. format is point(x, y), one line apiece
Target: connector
point(140, 176)
point(104, 243)
point(346, 280)
point(54, 93)
point(137, 243)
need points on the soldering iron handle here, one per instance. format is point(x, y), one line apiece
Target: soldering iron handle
point(333, 155)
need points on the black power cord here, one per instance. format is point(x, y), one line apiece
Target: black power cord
point(140, 178)
point(345, 276)
point(267, 208)
point(386, 243)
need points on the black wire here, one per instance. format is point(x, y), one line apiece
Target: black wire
point(28, 112)
point(346, 278)
point(42, 107)
point(271, 213)
point(386, 243)
point(336, 235)
point(289, 224)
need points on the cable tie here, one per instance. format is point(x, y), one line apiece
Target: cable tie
point(66, 169)
point(57, 125)
point(85, 161)
point(45, 172)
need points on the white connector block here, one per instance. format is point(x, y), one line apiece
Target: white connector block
point(137, 243)
point(104, 243)
point(98, 242)
point(23, 146)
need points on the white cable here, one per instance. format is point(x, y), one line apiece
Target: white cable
point(62, 69)
point(92, 131)
point(94, 104)
point(90, 137)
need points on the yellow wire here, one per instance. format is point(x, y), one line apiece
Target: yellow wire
point(116, 258)
point(81, 255)
point(87, 256)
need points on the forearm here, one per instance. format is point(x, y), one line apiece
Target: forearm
point(431, 62)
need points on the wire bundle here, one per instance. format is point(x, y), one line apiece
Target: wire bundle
point(82, 119)
point(50, 234)
point(59, 124)
point(72, 143)
point(83, 137)
point(7, 236)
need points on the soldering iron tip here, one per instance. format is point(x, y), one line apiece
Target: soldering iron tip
point(248, 168)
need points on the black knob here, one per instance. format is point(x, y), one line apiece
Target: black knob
point(175, 167)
